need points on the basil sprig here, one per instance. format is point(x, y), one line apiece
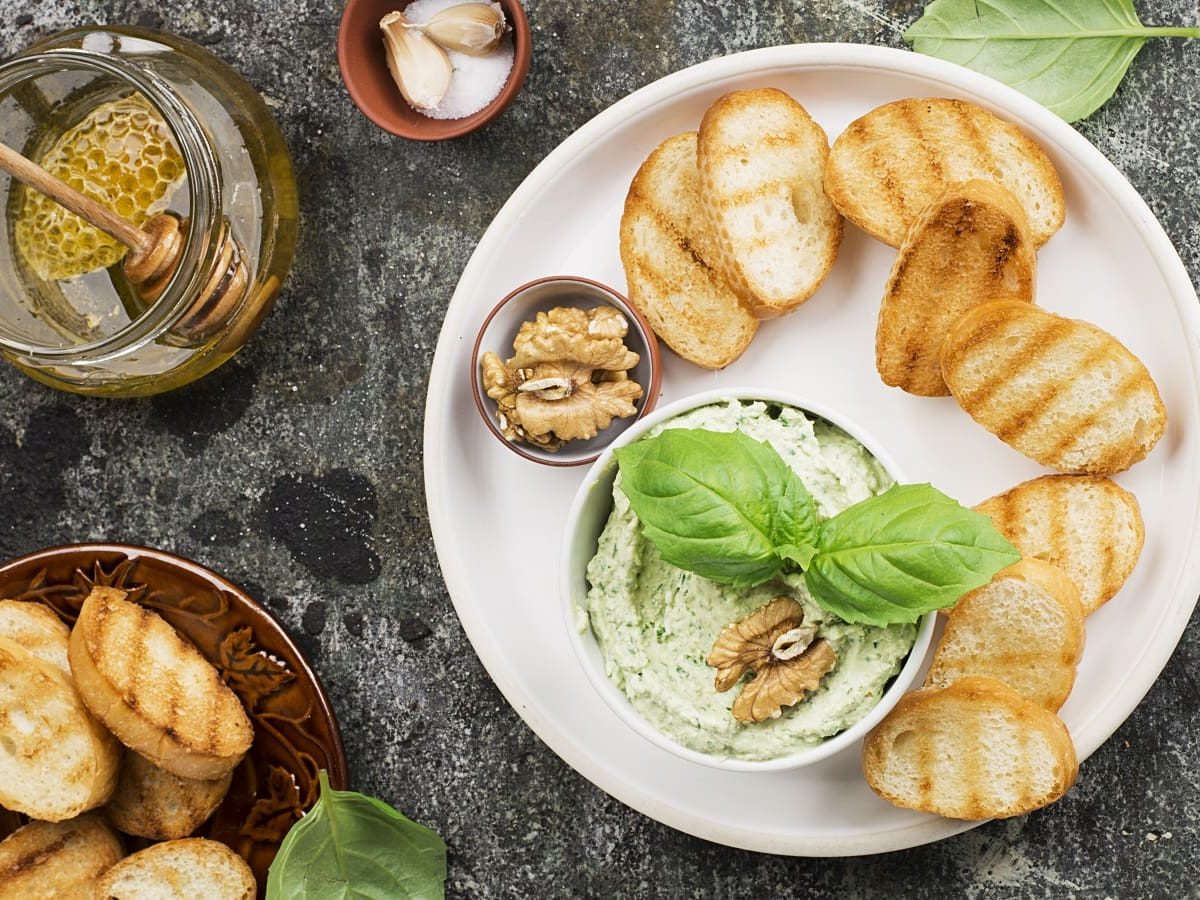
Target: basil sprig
point(719, 504)
point(1069, 55)
point(351, 845)
point(727, 507)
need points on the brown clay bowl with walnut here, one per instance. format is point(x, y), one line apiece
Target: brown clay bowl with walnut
point(295, 732)
point(523, 304)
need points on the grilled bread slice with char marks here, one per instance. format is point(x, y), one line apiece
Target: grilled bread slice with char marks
point(887, 166)
point(970, 246)
point(152, 803)
point(38, 629)
point(1063, 392)
point(154, 690)
point(762, 159)
point(1025, 628)
point(1090, 527)
point(57, 860)
point(973, 750)
point(671, 261)
point(56, 761)
point(190, 869)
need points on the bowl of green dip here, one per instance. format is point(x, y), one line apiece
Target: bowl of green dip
point(642, 628)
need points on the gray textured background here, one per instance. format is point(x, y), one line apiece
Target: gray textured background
point(296, 469)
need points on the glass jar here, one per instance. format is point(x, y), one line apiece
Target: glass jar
point(219, 163)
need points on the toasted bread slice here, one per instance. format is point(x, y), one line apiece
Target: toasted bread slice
point(38, 629)
point(1089, 527)
point(762, 159)
point(886, 167)
point(671, 261)
point(191, 869)
point(968, 247)
point(1024, 628)
point(1061, 391)
point(57, 860)
point(974, 750)
point(154, 690)
point(152, 803)
point(56, 761)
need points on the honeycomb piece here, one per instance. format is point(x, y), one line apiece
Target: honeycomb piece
point(122, 155)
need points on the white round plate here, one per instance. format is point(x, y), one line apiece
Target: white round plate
point(497, 519)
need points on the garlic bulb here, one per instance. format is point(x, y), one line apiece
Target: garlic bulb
point(472, 28)
point(421, 68)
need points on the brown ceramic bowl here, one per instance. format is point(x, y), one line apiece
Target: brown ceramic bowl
point(523, 304)
point(363, 62)
point(295, 732)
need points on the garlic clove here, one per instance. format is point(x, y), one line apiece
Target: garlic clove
point(421, 68)
point(472, 28)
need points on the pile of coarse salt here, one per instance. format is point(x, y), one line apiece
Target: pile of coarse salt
point(477, 80)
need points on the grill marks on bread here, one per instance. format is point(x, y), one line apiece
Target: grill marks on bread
point(970, 246)
point(56, 761)
point(1090, 527)
point(61, 860)
point(975, 749)
point(1063, 392)
point(38, 629)
point(670, 261)
point(152, 803)
point(188, 869)
point(154, 690)
point(889, 165)
point(761, 159)
point(1024, 628)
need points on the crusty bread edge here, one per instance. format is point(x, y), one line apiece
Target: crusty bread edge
point(728, 263)
point(974, 689)
point(987, 191)
point(1103, 482)
point(1048, 578)
point(836, 187)
point(637, 194)
point(106, 752)
point(132, 728)
point(969, 331)
point(149, 857)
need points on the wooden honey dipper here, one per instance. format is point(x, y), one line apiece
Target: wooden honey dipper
point(154, 251)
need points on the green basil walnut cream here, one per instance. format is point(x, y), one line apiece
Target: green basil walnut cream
point(760, 578)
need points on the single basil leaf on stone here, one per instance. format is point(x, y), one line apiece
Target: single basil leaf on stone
point(1069, 55)
point(717, 503)
point(350, 845)
point(897, 556)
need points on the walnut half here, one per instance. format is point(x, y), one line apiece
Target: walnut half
point(782, 652)
point(568, 378)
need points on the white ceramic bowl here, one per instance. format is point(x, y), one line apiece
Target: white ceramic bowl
point(585, 522)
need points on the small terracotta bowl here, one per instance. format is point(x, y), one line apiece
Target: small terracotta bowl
point(523, 304)
point(363, 62)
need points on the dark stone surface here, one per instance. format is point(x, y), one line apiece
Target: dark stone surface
point(296, 470)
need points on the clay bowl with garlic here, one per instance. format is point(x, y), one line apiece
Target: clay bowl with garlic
point(585, 525)
point(362, 60)
point(522, 305)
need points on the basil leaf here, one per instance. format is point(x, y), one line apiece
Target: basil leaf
point(719, 504)
point(351, 845)
point(1069, 55)
point(897, 556)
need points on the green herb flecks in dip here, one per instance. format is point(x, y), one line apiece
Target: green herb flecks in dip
point(656, 624)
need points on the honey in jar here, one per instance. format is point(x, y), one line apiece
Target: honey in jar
point(145, 124)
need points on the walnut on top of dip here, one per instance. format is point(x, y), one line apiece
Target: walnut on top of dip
point(656, 625)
